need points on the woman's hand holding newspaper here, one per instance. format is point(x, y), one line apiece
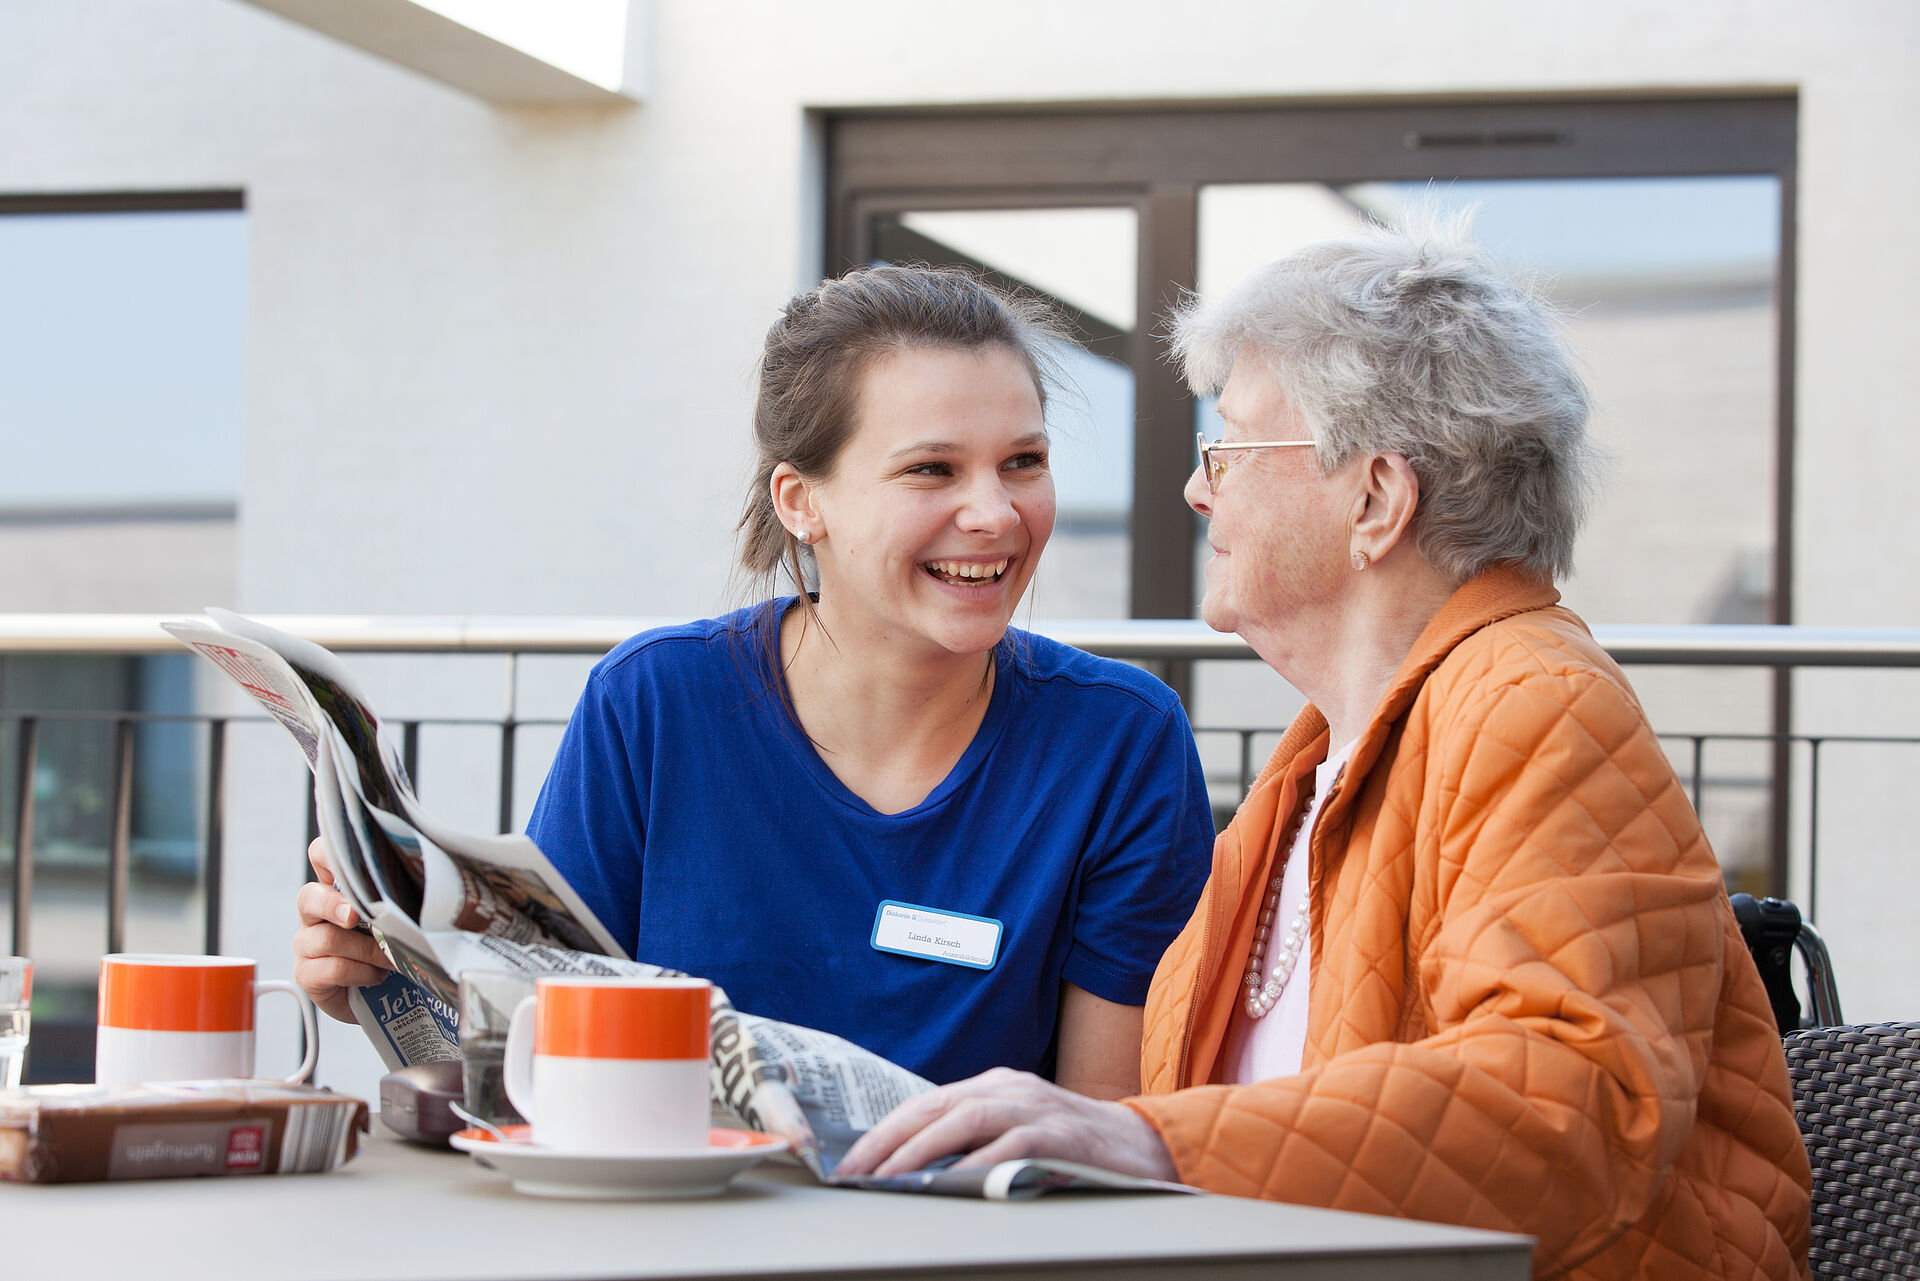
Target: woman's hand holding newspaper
point(330, 956)
point(1005, 1115)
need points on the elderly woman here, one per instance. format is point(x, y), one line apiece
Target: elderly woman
point(1465, 954)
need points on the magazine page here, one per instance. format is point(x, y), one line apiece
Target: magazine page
point(365, 760)
point(263, 675)
point(1010, 1180)
point(507, 887)
point(404, 1022)
point(406, 1016)
point(351, 876)
point(495, 883)
point(843, 1089)
point(387, 853)
point(333, 689)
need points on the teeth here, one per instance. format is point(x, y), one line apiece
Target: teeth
point(963, 569)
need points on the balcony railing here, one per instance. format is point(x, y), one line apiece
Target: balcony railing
point(1148, 641)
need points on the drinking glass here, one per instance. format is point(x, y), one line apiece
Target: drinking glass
point(16, 1017)
point(487, 1001)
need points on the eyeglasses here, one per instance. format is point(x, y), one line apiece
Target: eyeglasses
point(1216, 466)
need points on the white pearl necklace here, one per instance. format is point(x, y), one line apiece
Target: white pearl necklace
point(1263, 996)
point(1264, 993)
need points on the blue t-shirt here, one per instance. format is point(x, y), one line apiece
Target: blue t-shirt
point(695, 818)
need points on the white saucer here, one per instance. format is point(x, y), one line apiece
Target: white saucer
point(619, 1176)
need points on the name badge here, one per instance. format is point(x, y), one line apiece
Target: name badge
point(952, 937)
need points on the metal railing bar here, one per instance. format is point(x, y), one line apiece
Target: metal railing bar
point(216, 830)
point(410, 750)
point(1760, 645)
point(1738, 782)
point(122, 829)
point(1706, 783)
point(506, 777)
point(29, 749)
point(1178, 640)
point(1697, 780)
point(1697, 644)
point(558, 722)
point(313, 830)
point(1722, 736)
point(83, 715)
point(1813, 827)
point(507, 737)
point(1857, 739)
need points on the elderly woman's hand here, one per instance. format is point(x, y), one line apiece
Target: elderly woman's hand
point(1004, 1115)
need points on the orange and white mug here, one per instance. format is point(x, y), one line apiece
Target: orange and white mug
point(184, 1018)
point(612, 1064)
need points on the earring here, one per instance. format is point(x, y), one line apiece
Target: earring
point(1361, 560)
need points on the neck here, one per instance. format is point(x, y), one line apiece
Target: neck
point(1343, 654)
point(864, 698)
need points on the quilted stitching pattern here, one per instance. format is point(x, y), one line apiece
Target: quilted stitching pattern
point(1531, 1009)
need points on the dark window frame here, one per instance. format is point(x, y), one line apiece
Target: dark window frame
point(111, 202)
point(1155, 158)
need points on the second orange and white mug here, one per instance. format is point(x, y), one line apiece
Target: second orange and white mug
point(612, 1064)
point(166, 1017)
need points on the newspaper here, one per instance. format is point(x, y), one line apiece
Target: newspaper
point(1020, 1180)
point(440, 901)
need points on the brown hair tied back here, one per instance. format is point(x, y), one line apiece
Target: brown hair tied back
point(817, 352)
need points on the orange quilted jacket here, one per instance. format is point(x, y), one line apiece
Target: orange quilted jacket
point(1530, 1010)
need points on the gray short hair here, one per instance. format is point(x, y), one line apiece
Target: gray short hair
point(1413, 340)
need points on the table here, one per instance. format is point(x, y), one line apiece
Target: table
point(403, 1213)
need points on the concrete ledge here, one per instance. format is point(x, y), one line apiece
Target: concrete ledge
point(420, 39)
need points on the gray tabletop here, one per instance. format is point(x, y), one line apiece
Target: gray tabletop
point(409, 1214)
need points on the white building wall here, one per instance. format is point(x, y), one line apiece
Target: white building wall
point(499, 359)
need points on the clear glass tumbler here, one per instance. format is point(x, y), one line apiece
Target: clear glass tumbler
point(487, 1000)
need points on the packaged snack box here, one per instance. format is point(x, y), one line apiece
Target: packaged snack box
point(174, 1129)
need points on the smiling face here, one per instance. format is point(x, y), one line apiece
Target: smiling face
point(938, 507)
point(1278, 528)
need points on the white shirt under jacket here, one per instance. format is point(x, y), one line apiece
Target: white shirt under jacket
point(1262, 1049)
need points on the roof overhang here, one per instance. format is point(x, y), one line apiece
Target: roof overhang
point(504, 51)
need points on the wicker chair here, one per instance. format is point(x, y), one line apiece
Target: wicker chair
point(1856, 1092)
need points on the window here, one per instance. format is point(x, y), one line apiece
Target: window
point(122, 400)
point(1665, 226)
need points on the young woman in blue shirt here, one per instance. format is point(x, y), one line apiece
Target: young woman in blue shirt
point(877, 809)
